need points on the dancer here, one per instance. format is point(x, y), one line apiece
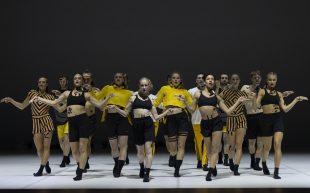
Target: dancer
point(201, 152)
point(178, 123)
point(79, 123)
point(62, 123)
point(143, 124)
point(116, 125)
point(90, 109)
point(273, 105)
point(42, 123)
point(211, 123)
point(236, 122)
point(224, 146)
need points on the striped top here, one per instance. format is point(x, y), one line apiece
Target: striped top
point(230, 97)
point(39, 109)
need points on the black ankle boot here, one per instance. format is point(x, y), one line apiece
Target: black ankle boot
point(256, 166)
point(208, 177)
point(141, 174)
point(40, 171)
point(177, 166)
point(63, 162)
point(199, 165)
point(119, 168)
point(214, 171)
point(77, 168)
point(147, 175)
point(220, 160)
point(276, 174)
point(236, 167)
point(67, 160)
point(265, 168)
point(115, 165)
point(87, 164)
point(252, 160)
point(226, 160)
point(127, 160)
point(48, 168)
point(172, 160)
point(231, 164)
point(79, 173)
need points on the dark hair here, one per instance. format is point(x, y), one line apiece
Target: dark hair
point(86, 71)
point(255, 72)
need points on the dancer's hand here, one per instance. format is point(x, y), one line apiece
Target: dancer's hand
point(287, 93)
point(301, 98)
point(6, 100)
point(34, 99)
point(243, 99)
point(56, 92)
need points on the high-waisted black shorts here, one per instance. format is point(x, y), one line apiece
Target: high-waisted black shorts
point(79, 127)
point(272, 123)
point(178, 124)
point(116, 125)
point(143, 130)
point(254, 125)
point(93, 121)
point(211, 125)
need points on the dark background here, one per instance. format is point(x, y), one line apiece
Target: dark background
point(151, 38)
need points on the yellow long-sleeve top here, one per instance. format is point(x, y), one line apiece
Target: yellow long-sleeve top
point(168, 95)
point(121, 97)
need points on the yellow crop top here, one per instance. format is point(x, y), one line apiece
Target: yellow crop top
point(168, 96)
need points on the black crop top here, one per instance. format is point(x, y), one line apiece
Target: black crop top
point(270, 99)
point(207, 101)
point(141, 104)
point(76, 100)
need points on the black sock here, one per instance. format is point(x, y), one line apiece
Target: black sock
point(177, 166)
point(265, 168)
point(256, 166)
point(252, 160)
point(141, 174)
point(231, 164)
point(87, 164)
point(48, 168)
point(236, 167)
point(147, 175)
point(276, 174)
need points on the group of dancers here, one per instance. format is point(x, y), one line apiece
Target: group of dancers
point(216, 110)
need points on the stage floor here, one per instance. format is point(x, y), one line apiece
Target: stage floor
point(16, 173)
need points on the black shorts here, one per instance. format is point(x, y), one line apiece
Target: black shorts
point(211, 125)
point(162, 126)
point(93, 121)
point(116, 125)
point(143, 130)
point(254, 125)
point(79, 127)
point(272, 123)
point(178, 124)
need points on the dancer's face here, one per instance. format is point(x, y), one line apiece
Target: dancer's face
point(87, 78)
point(209, 81)
point(235, 81)
point(119, 79)
point(78, 80)
point(42, 84)
point(224, 79)
point(271, 80)
point(199, 80)
point(144, 86)
point(256, 79)
point(175, 79)
point(63, 82)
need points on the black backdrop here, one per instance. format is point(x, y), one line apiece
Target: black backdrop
point(152, 38)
